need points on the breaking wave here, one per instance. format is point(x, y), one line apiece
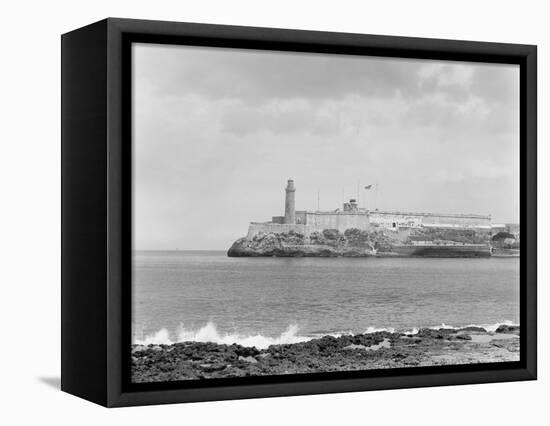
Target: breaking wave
point(210, 333)
point(371, 330)
point(489, 327)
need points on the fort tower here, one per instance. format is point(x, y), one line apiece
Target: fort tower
point(290, 209)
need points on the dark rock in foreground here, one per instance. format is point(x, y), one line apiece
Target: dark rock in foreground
point(473, 328)
point(507, 329)
point(193, 360)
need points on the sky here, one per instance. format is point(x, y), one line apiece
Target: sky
point(218, 131)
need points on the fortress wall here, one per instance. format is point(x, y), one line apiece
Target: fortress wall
point(348, 221)
point(400, 220)
point(400, 223)
point(277, 228)
point(314, 222)
point(339, 221)
point(458, 220)
point(415, 220)
point(301, 217)
point(308, 222)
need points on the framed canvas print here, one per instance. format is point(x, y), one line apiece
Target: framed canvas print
point(252, 212)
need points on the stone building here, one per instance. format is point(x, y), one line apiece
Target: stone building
point(352, 216)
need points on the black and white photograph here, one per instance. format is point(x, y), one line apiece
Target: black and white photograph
point(303, 213)
point(275, 213)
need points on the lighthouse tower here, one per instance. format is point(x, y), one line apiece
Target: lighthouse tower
point(290, 209)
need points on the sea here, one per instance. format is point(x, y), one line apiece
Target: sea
point(206, 296)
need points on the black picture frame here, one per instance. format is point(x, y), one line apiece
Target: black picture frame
point(96, 211)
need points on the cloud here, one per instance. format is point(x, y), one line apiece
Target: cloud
point(257, 75)
point(218, 131)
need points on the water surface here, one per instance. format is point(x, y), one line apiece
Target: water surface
point(201, 295)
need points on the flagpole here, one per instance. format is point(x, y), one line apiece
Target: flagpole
point(367, 188)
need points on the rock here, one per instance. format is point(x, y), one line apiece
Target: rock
point(354, 346)
point(328, 243)
point(411, 361)
point(412, 339)
point(383, 344)
point(246, 351)
point(208, 368)
point(197, 361)
point(462, 337)
point(249, 359)
point(507, 329)
point(473, 328)
point(138, 348)
point(442, 333)
point(398, 356)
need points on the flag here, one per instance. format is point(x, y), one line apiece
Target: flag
point(368, 187)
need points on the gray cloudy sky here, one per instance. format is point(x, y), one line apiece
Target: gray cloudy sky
point(217, 132)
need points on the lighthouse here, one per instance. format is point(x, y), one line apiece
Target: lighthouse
point(290, 212)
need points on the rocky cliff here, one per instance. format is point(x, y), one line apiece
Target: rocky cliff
point(434, 242)
point(328, 243)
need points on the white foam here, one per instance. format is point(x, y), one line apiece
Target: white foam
point(371, 330)
point(442, 325)
point(489, 327)
point(210, 333)
point(493, 327)
point(161, 337)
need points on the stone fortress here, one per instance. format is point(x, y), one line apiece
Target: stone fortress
point(355, 231)
point(352, 216)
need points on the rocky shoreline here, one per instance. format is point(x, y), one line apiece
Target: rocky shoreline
point(379, 350)
point(360, 243)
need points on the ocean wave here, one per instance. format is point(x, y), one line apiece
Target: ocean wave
point(210, 333)
point(489, 327)
point(371, 330)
